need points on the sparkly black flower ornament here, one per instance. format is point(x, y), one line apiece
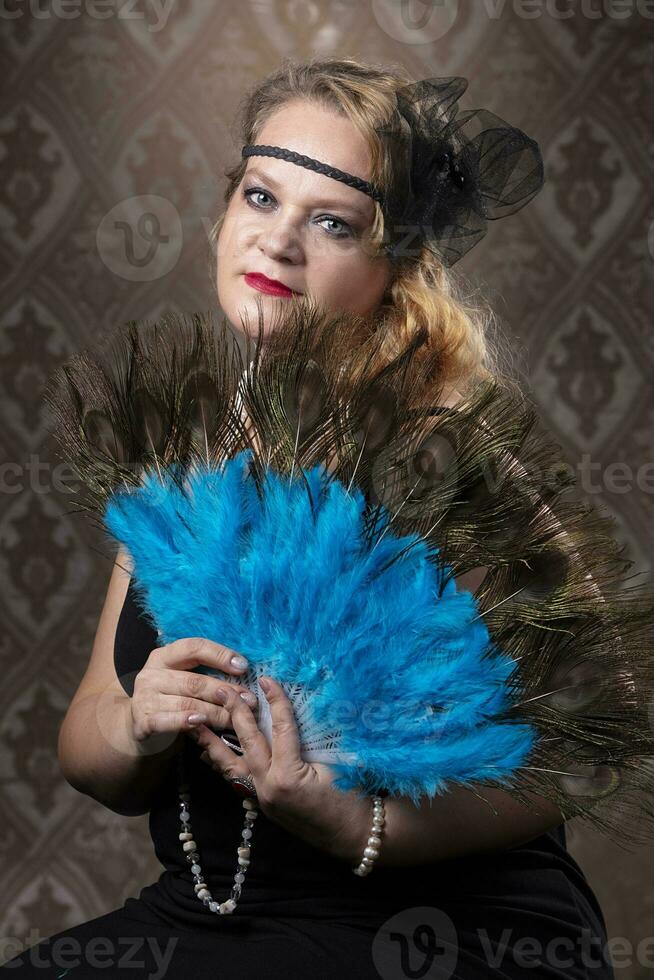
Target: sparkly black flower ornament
point(452, 171)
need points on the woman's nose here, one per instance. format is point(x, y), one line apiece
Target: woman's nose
point(280, 243)
point(281, 237)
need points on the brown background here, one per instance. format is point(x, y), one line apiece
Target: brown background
point(100, 111)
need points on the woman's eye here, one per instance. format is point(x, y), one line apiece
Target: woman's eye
point(252, 191)
point(343, 224)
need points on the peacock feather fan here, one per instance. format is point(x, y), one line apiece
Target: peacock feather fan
point(321, 508)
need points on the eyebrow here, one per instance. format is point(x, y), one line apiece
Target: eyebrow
point(321, 203)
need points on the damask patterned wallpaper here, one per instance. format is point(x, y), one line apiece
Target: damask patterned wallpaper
point(115, 131)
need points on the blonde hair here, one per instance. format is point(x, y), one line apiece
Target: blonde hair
point(461, 325)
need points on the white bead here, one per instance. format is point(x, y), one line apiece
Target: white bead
point(374, 841)
point(371, 852)
point(190, 848)
point(366, 862)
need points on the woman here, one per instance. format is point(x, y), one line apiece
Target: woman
point(457, 890)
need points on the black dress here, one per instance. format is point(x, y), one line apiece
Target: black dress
point(302, 913)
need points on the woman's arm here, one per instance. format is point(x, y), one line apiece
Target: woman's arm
point(97, 754)
point(100, 758)
point(451, 825)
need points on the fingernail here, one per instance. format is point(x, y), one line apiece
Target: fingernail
point(249, 698)
point(197, 719)
point(264, 684)
point(239, 662)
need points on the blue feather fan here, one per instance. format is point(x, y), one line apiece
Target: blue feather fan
point(393, 675)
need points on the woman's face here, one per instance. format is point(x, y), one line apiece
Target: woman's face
point(302, 228)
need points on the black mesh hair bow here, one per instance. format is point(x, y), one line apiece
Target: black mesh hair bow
point(452, 171)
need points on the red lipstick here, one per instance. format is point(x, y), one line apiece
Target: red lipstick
point(265, 285)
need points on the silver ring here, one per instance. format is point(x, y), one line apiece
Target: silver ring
point(245, 782)
point(232, 745)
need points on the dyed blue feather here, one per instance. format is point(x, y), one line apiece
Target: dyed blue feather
point(299, 592)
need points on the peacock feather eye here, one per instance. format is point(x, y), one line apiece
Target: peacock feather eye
point(101, 436)
point(575, 685)
point(149, 430)
point(304, 400)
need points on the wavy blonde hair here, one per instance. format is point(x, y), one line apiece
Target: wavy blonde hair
point(461, 325)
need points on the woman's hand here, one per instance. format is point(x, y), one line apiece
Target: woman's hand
point(298, 795)
point(167, 691)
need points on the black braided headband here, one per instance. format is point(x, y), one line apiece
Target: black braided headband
point(260, 149)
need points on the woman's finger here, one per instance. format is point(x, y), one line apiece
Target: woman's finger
point(286, 747)
point(194, 651)
point(203, 735)
point(178, 721)
point(183, 690)
point(220, 757)
point(252, 740)
point(207, 740)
